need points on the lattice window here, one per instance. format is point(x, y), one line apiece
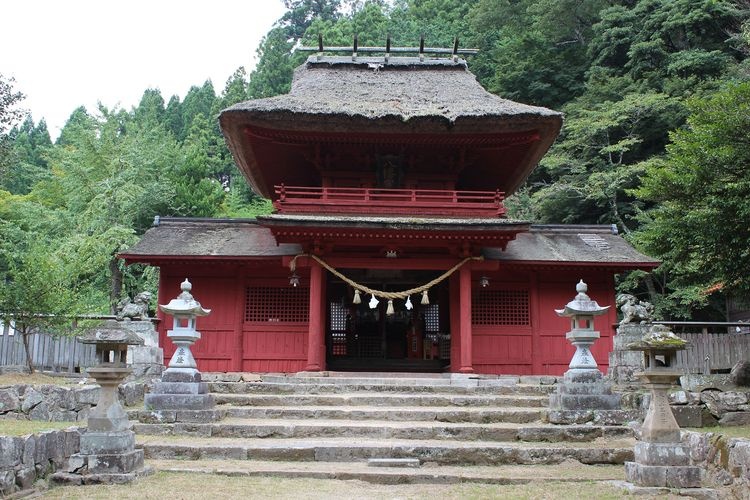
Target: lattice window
point(501, 307)
point(432, 318)
point(277, 305)
point(338, 316)
point(338, 328)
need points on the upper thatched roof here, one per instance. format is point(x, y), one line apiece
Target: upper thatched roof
point(405, 97)
point(404, 89)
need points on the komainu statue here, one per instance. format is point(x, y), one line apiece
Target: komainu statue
point(136, 310)
point(634, 310)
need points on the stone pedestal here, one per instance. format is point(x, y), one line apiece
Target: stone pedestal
point(586, 396)
point(147, 360)
point(180, 397)
point(624, 363)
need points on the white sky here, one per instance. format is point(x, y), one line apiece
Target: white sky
point(68, 53)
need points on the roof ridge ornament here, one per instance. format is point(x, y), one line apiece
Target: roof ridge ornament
point(388, 50)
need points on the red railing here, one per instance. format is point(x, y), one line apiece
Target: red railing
point(377, 201)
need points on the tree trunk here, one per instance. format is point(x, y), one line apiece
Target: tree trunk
point(25, 337)
point(651, 287)
point(116, 288)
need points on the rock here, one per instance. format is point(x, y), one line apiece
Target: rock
point(88, 395)
point(688, 416)
point(740, 374)
point(40, 412)
point(9, 400)
point(29, 451)
point(707, 419)
point(678, 398)
point(10, 451)
point(7, 482)
point(711, 400)
point(132, 393)
point(25, 478)
point(31, 398)
point(732, 400)
point(735, 418)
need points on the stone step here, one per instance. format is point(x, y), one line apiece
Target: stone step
point(414, 414)
point(382, 399)
point(376, 429)
point(347, 450)
point(427, 474)
point(374, 386)
point(405, 379)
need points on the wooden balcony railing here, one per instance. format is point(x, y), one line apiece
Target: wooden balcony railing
point(377, 201)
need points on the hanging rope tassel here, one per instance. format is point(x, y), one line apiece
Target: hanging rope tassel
point(357, 299)
point(425, 298)
point(390, 310)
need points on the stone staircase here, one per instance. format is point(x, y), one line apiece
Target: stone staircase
point(423, 427)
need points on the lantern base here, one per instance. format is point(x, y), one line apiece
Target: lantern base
point(664, 476)
point(181, 375)
point(584, 390)
point(181, 396)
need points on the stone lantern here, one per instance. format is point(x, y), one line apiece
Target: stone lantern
point(583, 387)
point(107, 452)
point(181, 396)
point(184, 310)
point(661, 460)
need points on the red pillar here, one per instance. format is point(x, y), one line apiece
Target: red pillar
point(464, 279)
point(239, 318)
point(315, 332)
point(455, 313)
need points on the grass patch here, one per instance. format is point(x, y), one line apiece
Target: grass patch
point(23, 427)
point(36, 379)
point(201, 486)
point(740, 431)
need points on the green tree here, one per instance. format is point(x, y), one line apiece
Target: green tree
point(701, 226)
point(10, 114)
point(35, 293)
point(28, 163)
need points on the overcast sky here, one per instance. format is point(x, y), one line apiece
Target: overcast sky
point(67, 53)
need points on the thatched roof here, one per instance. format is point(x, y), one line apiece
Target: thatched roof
point(575, 245)
point(227, 239)
point(395, 222)
point(219, 238)
point(441, 93)
point(404, 96)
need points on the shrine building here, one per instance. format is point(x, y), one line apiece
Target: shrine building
point(389, 248)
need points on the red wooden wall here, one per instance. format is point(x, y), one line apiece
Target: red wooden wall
point(538, 347)
point(230, 340)
point(258, 323)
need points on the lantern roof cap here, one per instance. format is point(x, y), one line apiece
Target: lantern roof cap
point(184, 304)
point(582, 305)
point(659, 338)
point(110, 332)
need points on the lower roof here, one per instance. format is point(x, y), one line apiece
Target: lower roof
point(172, 239)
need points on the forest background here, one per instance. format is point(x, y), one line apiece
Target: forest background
point(656, 140)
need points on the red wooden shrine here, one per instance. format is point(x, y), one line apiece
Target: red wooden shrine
point(386, 175)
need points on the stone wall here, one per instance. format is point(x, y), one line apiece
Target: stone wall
point(54, 403)
point(25, 459)
point(726, 461)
